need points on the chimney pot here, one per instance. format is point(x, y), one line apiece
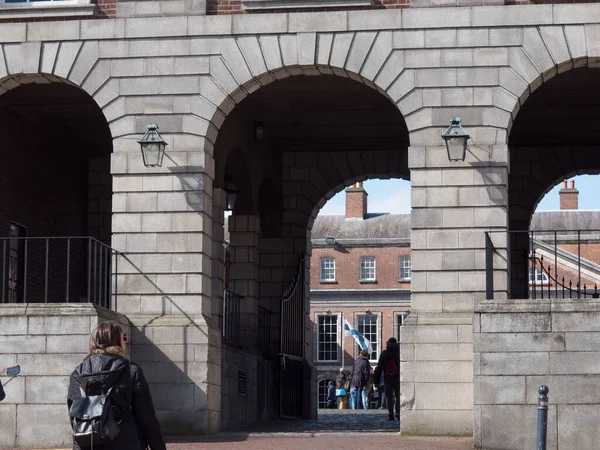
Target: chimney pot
point(572, 184)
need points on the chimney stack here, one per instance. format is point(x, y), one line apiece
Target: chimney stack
point(569, 197)
point(356, 201)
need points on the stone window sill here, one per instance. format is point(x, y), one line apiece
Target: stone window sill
point(299, 4)
point(28, 12)
point(367, 281)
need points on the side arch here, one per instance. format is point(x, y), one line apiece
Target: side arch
point(545, 52)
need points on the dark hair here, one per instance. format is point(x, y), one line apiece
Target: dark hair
point(106, 338)
point(364, 353)
point(392, 340)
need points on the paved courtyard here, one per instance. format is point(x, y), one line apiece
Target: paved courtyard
point(343, 430)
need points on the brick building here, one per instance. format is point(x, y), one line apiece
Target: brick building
point(360, 271)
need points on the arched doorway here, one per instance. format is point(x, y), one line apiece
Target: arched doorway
point(303, 139)
point(55, 193)
point(552, 138)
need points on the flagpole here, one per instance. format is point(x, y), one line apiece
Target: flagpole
point(343, 338)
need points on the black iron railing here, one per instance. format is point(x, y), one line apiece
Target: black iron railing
point(265, 343)
point(291, 347)
point(547, 264)
point(231, 317)
point(70, 269)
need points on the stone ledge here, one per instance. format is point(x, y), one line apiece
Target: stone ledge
point(56, 309)
point(298, 22)
point(517, 306)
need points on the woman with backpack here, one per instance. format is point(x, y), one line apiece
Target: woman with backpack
point(107, 377)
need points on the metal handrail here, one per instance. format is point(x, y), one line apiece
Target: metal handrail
point(546, 242)
point(84, 263)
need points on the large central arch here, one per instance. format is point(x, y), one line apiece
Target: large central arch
point(288, 147)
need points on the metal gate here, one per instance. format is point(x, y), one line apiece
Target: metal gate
point(291, 349)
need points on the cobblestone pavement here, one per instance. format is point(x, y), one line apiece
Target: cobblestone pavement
point(330, 420)
point(343, 430)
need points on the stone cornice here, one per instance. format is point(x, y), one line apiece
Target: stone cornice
point(399, 19)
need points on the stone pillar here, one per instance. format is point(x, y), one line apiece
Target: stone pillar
point(454, 204)
point(244, 232)
point(162, 224)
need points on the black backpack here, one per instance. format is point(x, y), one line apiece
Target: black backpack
point(92, 416)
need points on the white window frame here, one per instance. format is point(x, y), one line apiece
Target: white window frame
point(405, 264)
point(399, 319)
point(373, 357)
point(364, 260)
point(335, 335)
point(541, 278)
point(44, 3)
point(324, 261)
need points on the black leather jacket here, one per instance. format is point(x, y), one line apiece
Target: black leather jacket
point(132, 403)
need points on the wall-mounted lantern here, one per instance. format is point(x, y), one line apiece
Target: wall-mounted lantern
point(231, 193)
point(456, 140)
point(153, 147)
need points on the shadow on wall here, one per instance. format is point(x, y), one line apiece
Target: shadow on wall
point(171, 346)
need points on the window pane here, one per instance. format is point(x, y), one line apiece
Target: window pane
point(327, 338)
point(367, 326)
point(405, 268)
point(327, 269)
point(400, 318)
point(367, 268)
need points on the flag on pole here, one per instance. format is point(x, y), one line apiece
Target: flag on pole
point(362, 341)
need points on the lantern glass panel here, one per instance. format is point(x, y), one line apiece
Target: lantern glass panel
point(230, 199)
point(456, 148)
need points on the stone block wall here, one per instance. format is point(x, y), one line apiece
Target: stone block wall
point(520, 345)
point(436, 374)
point(48, 341)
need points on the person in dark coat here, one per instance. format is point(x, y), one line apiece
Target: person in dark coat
point(361, 375)
point(2, 394)
point(331, 399)
point(107, 365)
point(389, 366)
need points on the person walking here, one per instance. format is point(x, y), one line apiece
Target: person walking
point(106, 366)
point(366, 393)
point(342, 384)
point(361, 374)
point(389, 366)
point(331, 398)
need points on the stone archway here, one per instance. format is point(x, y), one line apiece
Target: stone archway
point(56, 184)
point(304, 138)
point(552, 138)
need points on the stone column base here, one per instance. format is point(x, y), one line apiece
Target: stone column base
point(436, 374)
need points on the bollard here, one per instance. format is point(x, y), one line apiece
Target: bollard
point(542, 425)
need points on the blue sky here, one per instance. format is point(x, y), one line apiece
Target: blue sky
point(393, 196)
